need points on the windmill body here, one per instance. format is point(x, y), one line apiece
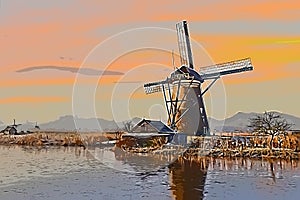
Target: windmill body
point(182, 89)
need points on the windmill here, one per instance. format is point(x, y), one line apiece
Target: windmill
point(14, 124)
point(182, 91)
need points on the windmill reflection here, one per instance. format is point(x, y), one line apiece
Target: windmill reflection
point(187, 178)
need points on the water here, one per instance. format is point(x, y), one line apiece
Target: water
point(74, 173)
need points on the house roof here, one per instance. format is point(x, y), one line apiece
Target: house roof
point(8, 128)
point(159, 126)
point(145, 135)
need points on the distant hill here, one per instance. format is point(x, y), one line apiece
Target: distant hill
point(237, 122)
point(240, 122)
point(67, 123)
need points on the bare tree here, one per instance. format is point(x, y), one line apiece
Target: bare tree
point(128, 125)
point(269, 123)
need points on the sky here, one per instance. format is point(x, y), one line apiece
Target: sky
point(91, 58)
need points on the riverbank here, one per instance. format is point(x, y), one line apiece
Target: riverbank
point(202, 146)
point(286, 154)
point(283, 147)
point(58, 139)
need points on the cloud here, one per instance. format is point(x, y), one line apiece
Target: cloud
point(84, 71)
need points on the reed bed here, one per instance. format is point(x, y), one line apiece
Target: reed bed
point(283, 148)
point(57, 139)
point(141, 145)
point(286, 147)
point(286, 154)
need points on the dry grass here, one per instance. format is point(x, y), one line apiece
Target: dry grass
point(57, 139)
point(141, 145)
point(284, 147)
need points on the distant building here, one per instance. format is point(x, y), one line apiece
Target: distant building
point(12, 129)
point(147, 128)
point(151, 126)
point(36, 128)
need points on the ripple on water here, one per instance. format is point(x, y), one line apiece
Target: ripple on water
point(61, 174)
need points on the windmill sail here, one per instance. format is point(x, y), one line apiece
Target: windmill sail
point(153, 87)
point(182, 89)
point(217, 70)
point(184, 44)
point(190, 117)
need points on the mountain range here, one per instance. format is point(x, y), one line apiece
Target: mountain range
point(238, 122)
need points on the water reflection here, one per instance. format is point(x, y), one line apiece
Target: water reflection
point(203, 178)
point(267, 178)
point(134, 162)
point(187, 178)
point(229, 178)
point(21, 163)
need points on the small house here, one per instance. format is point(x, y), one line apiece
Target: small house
point(147, 128)
point(10, 130)
point(151, 126)
point(13, 129)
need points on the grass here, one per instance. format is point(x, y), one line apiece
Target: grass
point(57, 139)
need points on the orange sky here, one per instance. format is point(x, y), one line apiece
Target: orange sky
point(63, 34)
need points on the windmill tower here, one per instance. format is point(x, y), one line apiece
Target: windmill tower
point(182, 89)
